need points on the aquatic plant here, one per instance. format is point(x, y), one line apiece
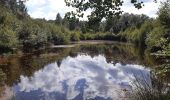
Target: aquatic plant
point(157, 90)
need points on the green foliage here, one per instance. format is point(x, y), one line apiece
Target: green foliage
point(153, 33)
point(99, 36)
point(163, 70)
point(143, 31)
point(167, 49)
point(17, 7)
point(158, 39)
point(58, 19)
point(164, 14)
point(159, 90)
point(155, 38)
point(60, 35)
point(8, 38)
point(32, 36)
point(100, 8)
point(87, 36)
point(75, 36)
point(137, 35)
point(121, 23)
point(19, 30)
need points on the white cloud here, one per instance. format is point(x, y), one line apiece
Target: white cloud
point(46, 8)
point(93, 77)
point(49, 8)
point(150, 8)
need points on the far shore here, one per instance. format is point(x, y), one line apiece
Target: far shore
point(73, 44)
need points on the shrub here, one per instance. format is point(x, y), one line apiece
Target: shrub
point(157, 90)
point(137, 35)
point(75, 36)
point(155, 39)
point(32, 36)
point(8, 38)
point(59, 35)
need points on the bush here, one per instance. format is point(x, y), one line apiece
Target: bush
point(60, 35)
point(166, 49)
point(157, 90)
point(8, 38)
point(155, 39)
point(32, 36)
point(75, 36)
point(87, 36)
point(137, 35)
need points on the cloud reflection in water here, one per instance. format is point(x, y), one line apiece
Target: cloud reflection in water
point(82, 77)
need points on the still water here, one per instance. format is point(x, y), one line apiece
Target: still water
point(82, 72)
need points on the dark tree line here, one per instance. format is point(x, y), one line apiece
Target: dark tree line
point(116, 24)
point(17, 6)
point(113, 24)
point(19, 30)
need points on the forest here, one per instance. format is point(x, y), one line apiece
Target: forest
point(21, 32)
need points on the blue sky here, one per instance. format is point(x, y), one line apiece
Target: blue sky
point(49, 8)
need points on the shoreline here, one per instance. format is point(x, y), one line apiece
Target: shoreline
point(84, 42)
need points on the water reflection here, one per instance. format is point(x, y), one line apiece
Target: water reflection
point(79, 78)
point(6, 93)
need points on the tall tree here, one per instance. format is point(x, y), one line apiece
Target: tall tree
point(164, 13)
point(72, 21)
point(164, 17)
point(83, 27)
point(58, 19)
point(22, 10)
point(17, 6)
point(121, 23)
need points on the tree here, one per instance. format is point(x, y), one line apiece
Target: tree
point(72, 21)
point(65, 22)
point(112, 24)
point(164, 13)
point(58, 19)
point(83, 27)
point(22, 10)
point(99, 8)
point(93, 24)
point(8, 38)
point(164, 17)
point(121, 23)
point(17, 6)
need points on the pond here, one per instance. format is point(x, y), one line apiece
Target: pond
point(96, 71)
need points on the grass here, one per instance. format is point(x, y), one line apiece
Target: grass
point(157, 90)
